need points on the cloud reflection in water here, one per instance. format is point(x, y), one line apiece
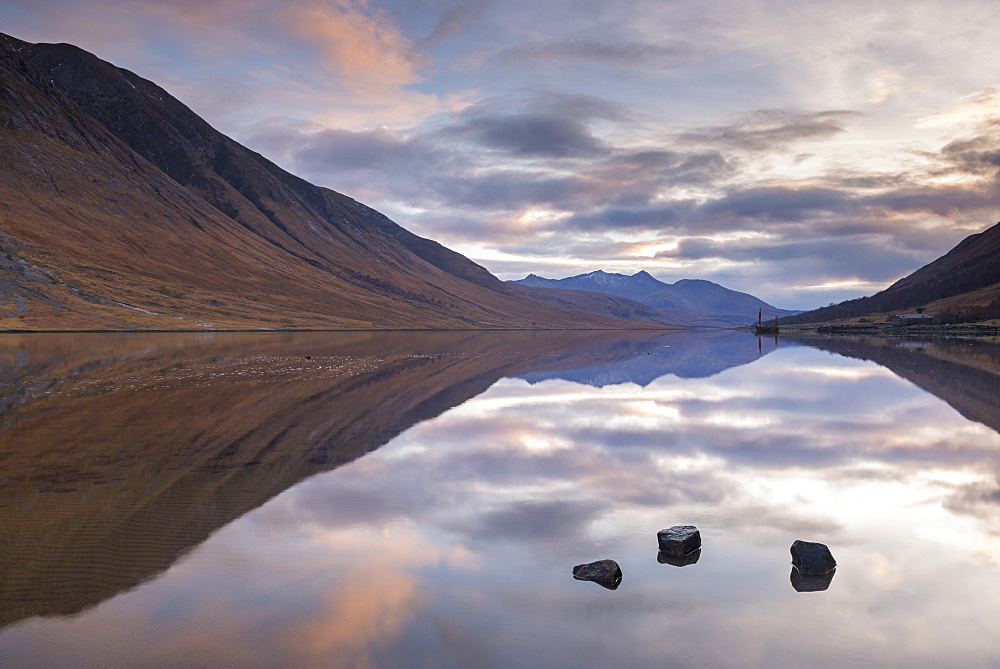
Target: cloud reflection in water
point(452, 544)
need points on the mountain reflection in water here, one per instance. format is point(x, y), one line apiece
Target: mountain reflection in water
point(965, 373)
point(120, 452)
point(125, 460)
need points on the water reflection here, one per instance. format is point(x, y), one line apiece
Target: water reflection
point(449, 546)
point(696, 355)
point(965, 373)
point(811, 582)
point(119, 453)
point(678, 560)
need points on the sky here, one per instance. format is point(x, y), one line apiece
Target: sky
point(804, 152)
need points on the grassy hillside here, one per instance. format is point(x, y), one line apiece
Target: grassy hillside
point(964, 280)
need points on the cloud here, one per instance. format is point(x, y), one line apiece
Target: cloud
point(532, 135)
point(670, 53)
point(978, 155)
point(455, 20)
point(333, 150)
point(942, 201)
point(536, 125)
point(549, 519)
point(772, 129)
point(777, 204)
point(358, 44)
point(658, 216)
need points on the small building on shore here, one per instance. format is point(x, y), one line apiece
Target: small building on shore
point(912, 319)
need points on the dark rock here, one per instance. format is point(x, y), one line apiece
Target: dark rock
point(811, 582)
point(679, 560)
point(679, 540)
point(603, 572)
point(812, 559)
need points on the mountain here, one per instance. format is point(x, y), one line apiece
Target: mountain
point(613, 306)
point(599, 304)
point(965, 278)
point(121, 208)
point(635, 287)
point(688, 302)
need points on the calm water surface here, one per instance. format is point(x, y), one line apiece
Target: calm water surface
point(421, 499)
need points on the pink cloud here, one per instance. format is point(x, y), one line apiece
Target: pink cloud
point(359, 45)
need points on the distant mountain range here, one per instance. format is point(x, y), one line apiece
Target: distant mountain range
point(966, 279)
point(121, 208)
point(641, 296)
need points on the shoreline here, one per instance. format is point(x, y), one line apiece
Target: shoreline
point(666, 328)
point(887, 330)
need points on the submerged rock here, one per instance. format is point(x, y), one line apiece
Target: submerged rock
point(679, 560)
point(811, 582)
point(812, 559)
point(679, 540)
point(603, 572)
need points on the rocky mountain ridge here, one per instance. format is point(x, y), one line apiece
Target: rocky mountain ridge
point(687, 302)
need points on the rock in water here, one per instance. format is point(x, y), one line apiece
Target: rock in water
point(602, 572)
point(679, 540)
point(812, 559)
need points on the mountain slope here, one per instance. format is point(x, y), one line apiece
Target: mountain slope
point(120, 207)
point(686, 302)
point(598, 304)
point(968, 275)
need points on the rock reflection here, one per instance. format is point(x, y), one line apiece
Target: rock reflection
point(811, 582)
point(679, 560)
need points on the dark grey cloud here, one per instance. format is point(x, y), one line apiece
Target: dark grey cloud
point(975, 155)
point(777, 204)
point(512, 191)
point(586, 108)
point(369, 149)
point(940, 200)
point(671, 53)
point(770, 129)
point(532, 135)
point(673, 216)
point(549, 519)
point(808, 212)
point(650, 170)
point(535, 125)
point(696, 248)
point(856, 256)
